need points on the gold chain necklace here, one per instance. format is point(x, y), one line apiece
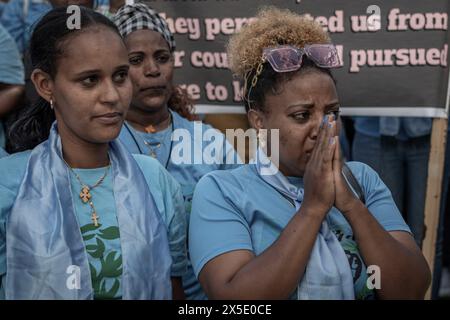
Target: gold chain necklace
point(85, 193)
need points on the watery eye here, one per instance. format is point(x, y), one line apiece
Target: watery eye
point(301, 116)
point(335, 113)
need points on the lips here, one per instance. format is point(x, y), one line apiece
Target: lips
point(110, 118)
point(154, 90)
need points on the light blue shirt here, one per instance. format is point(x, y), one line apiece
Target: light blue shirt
point(11, 66)
point(402, 128)
point(237, 210)
point(103, 241)
point(20, 16)
point(186, 174)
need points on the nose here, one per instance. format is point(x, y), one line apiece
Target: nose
point(110, 94)
point(151, 68)
point(315, 127)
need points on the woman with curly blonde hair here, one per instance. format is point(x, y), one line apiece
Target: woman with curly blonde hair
point(294, 228)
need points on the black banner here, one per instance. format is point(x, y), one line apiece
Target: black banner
point(395, 53)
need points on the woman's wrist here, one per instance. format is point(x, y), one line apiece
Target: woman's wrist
point(317, 212)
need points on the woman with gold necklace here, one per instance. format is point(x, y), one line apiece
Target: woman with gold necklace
point(80, 217)
point(159, 108)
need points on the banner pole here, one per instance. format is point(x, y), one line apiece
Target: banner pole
point(433, 196)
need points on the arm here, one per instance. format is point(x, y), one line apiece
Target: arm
point(272, 275)
point(404, 271)
point(177, 289)
point(10, 96)
point(276, 272)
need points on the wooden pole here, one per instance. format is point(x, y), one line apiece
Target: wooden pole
point(433, 194)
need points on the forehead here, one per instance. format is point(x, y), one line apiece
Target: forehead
point(96, 47)
point(145, 40)
point(312, 87)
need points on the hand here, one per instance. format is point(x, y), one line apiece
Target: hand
point(345, 199)
point(318, 177)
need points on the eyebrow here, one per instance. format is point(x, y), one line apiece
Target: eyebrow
point(304, 104)
point(310, 105)
point(332, 104)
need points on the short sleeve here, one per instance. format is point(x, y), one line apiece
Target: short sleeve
point(379, 199)
point(216, 224)
point(169, 200)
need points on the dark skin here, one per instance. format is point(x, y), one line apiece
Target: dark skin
point(151, 71)
point(310, 151)
point(10, 96)
point(91, 93)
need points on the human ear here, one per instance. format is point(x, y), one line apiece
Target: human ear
point(43, 83)
point(256, 119)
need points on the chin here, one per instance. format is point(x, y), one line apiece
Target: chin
point(153, 103)
point(107, 135)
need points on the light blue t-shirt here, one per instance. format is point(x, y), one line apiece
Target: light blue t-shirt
point(237, 210)
point(103, 242)
point(11, 66)
point(19, 17)
point(401, 128)
point(159, 144)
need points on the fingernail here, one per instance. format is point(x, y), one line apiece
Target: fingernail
point(324, 120)
point(331, 140)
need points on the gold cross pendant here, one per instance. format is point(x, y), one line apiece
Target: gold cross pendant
point(85, 194)
point(94, 218)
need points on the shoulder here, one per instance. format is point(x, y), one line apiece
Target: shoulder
point(183, 123)
point(12, 169)
point(234, 181)
point(365, 175)
point(155, 174)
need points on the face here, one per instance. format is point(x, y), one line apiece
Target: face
point(151, 70)
point(297, 110)
point(91, 89)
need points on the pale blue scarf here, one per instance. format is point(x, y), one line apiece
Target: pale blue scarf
point(43, 238)
point(328, 274)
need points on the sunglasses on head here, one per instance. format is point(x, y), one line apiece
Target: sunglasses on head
point(289, 58)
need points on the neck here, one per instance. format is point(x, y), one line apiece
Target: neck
point(83, 155)
point(149, 121)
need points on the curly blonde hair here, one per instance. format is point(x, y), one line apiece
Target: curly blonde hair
point(273, 27)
